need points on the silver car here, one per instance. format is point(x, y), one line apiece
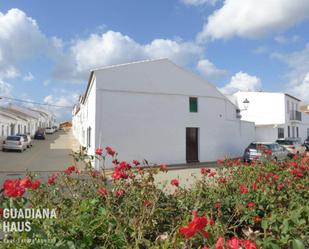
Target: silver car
point(27, 139)
point(263, 150)
point(14, 143)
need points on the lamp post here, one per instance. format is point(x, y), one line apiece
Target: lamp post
point(246, 103)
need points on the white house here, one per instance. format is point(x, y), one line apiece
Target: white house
point(276, 115)
point(157, 111)
point(18, 119)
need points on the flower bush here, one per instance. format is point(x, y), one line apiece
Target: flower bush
point(238, 205)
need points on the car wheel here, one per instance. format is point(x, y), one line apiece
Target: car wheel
point(4, 150)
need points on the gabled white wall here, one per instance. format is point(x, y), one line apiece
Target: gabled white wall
point(264, 108)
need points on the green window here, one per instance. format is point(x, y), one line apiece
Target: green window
point(193, 104)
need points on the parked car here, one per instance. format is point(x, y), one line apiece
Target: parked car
point(14, 143)
point(40, 135)
point(306, 144)
point(49, 130)
point(27, 139)
point(262, 150)
point(293, 145)
point(55, 128)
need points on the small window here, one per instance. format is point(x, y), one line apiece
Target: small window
point(307, 132)
point(193, 104)
point(297, 132)
point(289, 132)
point(89, 137)
point(280, 132)
point(288, 106)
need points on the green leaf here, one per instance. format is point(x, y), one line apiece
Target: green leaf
point(285, 226)
point(264, 224)
point(298, 244)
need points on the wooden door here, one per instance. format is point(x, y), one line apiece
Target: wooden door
point(192, 145)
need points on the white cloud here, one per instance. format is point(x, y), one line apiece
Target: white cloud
point(5, 88)
point(46, 82)
point(209, 70)
point(260, 50)
point(301, 90)
point(199, 2)
point(253, 18)
point(20, 38)
point(285, 40)
point(28, 77)
point(65, 99)
point(298, 74)
point(242, 82)
point(114, 48)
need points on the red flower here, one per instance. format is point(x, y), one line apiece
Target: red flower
point(196, 225)
point(267, 152)
point(99, 151)
point(275, 177)
point(204, 171)
point(296, 172)
point(163, 167)
point(147, 203)
point(248, 244)
point(222, 180)
point(115, 161)
point(123, 166)
point(257, 219)
point(254, 186)
point(217, 205)
point(95, 173)
point(12, 188)
point(136, 163)
point(70, 170)
point(36, 184)
point(220, 161)
point(243, 189)
point(220, 243)
point(120, 192)
point(175, 182)
point(52, 179)
point(280, 186)
point(25, 183)
point(212, 174)
point(116, 175)
point(110, 151)
point(234, 243)
point(1, 212)
point(251, 204)
point(102, 191)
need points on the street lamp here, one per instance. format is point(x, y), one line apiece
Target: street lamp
point(246, 103)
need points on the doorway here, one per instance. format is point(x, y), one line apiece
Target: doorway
point(192, 145)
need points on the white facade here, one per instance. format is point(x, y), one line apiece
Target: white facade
point(17, 119)
point(142, 110)
point(276, 115)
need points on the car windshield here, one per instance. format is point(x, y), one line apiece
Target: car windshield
point(22, 135)
point(13, 138)
point(260, 146)
point(286, 142)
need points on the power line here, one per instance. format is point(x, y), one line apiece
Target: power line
point(35, 103)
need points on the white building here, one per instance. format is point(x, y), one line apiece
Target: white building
point(18, 119)
point(157, 111)
point(276, 115)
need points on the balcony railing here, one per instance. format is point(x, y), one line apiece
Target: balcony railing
point(295, 115)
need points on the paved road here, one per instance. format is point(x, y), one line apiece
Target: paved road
point(45, 156)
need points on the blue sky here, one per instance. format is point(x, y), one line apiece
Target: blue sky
point(48, 47)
